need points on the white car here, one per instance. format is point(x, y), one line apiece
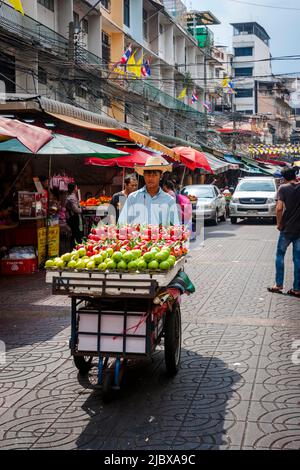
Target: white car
point(254, 197)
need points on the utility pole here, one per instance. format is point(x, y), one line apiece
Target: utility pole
point(205, 87)
point(71, 61)
point(233, 125)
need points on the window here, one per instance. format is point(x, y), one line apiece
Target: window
point(128, 111)
point(49, 4)
point(80, 92)
point(106, 4)
point(243, 51)
point(8, 69)
point(105, 47)
point(76, 19)
point(42, 76)
point(297, 124)
point(252, 186)
point(244, 72)
point(217, 73)
point(106, 101)
point(297, 111)
point(85, 26)
point(145, 24)
point(127, 13)
point(245, 111)
point(244, 92)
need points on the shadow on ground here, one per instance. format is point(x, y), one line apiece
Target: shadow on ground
point(153, 411)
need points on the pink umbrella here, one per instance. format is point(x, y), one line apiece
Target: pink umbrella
point(192, 158)
point(32, 137)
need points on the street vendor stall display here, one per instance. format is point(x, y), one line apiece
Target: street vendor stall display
point(93, 210)
point(125, 284)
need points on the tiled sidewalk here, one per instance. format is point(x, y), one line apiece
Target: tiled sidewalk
point(237, 387)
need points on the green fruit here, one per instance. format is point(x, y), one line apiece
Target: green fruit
point(80, 264)
point(154, 249)
point(81, 252)
point(117, 256)
point(161, 256)
point(91, 265)
point(75, 255)
point(72, 264)
point(111, 264)
point(132, 265)
point(85, 257)
point(122, 264)
point(148, 257)
point(66, 257)
point(109, 251)
point(59, 263)
point(49, 263)
point(153, 264)
point(136, 254)
point(171, 261)
point(127, 256)
point(164, 265)
point(141, 264)
point(104, 254)
point(98, 258)
point(102, 266)
point(123, 250)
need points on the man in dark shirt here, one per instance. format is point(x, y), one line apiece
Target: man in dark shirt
point(118, 200)
point(288, 223)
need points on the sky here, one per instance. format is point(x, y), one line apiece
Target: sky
point(283, 26)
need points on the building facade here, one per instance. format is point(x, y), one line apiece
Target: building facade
point(69, 51)
point(251, 62)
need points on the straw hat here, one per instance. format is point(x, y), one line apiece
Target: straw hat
point(154, 163)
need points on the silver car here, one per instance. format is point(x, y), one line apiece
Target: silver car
point(209, 202)
point(253, 197)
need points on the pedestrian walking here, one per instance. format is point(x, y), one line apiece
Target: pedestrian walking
point(288, 223)
point(73, 214)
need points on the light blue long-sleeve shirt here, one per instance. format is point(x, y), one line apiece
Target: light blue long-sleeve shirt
point(141, 208)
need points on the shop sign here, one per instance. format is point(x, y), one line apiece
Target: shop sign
point(53, 243)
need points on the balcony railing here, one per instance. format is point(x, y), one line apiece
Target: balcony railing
point(151, 93)
point(42, 37)
point(31, 30)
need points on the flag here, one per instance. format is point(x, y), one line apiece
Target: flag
point(137, 70)
point(182, 94)
point(194, 97)
point(231, 84)
point(225, 82)
point(133, 66)
point(126, 56)
point(17, 4)
point(145, 69)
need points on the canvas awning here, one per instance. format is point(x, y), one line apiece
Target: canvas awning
point(232, 159)
point(218, 166)
point(127, 134)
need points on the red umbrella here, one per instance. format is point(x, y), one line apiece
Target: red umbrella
point(192, 158)
point(32, 137)
point(136, 157)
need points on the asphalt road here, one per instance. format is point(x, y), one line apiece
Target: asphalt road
point(238, 386)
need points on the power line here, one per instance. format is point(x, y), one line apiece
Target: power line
point(262, 5)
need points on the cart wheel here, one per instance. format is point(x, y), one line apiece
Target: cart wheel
point(173, 340)
point(107, 386)
point(83, 363)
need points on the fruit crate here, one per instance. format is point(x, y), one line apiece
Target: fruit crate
point(98, 284)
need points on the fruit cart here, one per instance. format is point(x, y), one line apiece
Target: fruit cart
point(114, 317)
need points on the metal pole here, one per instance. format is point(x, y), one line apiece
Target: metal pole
point(182, 178)
point(48, 207)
